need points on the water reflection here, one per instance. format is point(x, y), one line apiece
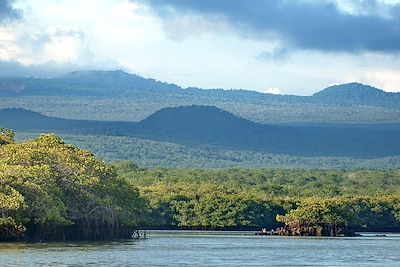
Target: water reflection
point(191, 248)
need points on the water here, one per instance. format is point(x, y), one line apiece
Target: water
point(184, 248)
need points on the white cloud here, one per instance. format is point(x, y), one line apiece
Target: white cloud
point(7, 44)
point(61, 44)
point(187, 50)
point(66, 44)
point(388, 79)
point(273, 90)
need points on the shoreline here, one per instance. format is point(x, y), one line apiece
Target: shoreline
point(206, 233)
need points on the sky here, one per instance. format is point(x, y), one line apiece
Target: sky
point(282, 47)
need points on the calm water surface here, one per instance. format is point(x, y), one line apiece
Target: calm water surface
point(184, 248)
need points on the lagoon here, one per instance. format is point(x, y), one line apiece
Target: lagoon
point(207, 248)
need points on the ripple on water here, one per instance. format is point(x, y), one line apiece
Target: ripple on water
point(209, 249)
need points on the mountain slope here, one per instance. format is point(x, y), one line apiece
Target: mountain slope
point(207, 126)
point(26, 120)
point(119, 96)
point(210, 126)
point(118, 83)
point(85, 83)
point(357, 94)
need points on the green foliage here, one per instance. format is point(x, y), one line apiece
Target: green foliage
point(274, 182)
point(146, 153)
point(247, 198)
point(357, 212)
point(6, 136)
point(46, 184)
point(208, 206)
point(11, 201)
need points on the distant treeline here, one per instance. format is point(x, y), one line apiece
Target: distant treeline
point(152, 154)
point(318, 202)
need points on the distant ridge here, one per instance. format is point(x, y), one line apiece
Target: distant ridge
point(85, 74)
point(14, 114)
point(121, 80)
point(213, 127)
point(22, 119)
point(207, 125)
point(356, 94)
point(196, 118)
point(120, 96)
point(354, 88)
point(101, 77)
point(114, 78)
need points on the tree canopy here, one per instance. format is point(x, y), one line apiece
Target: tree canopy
point(49, 187)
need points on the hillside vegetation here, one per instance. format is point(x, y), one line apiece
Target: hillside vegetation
point(116, 95)
point(207, 126)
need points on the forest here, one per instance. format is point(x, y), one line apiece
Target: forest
point(152, 154)
point(50, 190)
point(363, 200)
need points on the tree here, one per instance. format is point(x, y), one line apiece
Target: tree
point(63, 190)
point(6, 136)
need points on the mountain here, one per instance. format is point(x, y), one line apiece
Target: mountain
point(120, 83)
point(120, 96)
point(190, 120)
point(357, 94)
point(116, 81)
point(207, 126)
point(26, 120)
point(85, 83)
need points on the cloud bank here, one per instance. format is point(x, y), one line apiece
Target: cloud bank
point(330, 26)
point(7, 12)
point(296, 46)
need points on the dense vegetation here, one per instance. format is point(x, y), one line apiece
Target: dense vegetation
point(150, 154)
point(315, 201)
point(296, 183)
point(54, 191)
point(207, 126)
point(118, 96)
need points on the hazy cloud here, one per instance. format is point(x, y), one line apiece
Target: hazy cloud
point(278, 54)
point(64, 44)
point(49, 69)
point(7, 12)
point(337, 26)
point(273, 90)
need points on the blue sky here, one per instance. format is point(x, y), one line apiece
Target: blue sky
point(289, 47)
